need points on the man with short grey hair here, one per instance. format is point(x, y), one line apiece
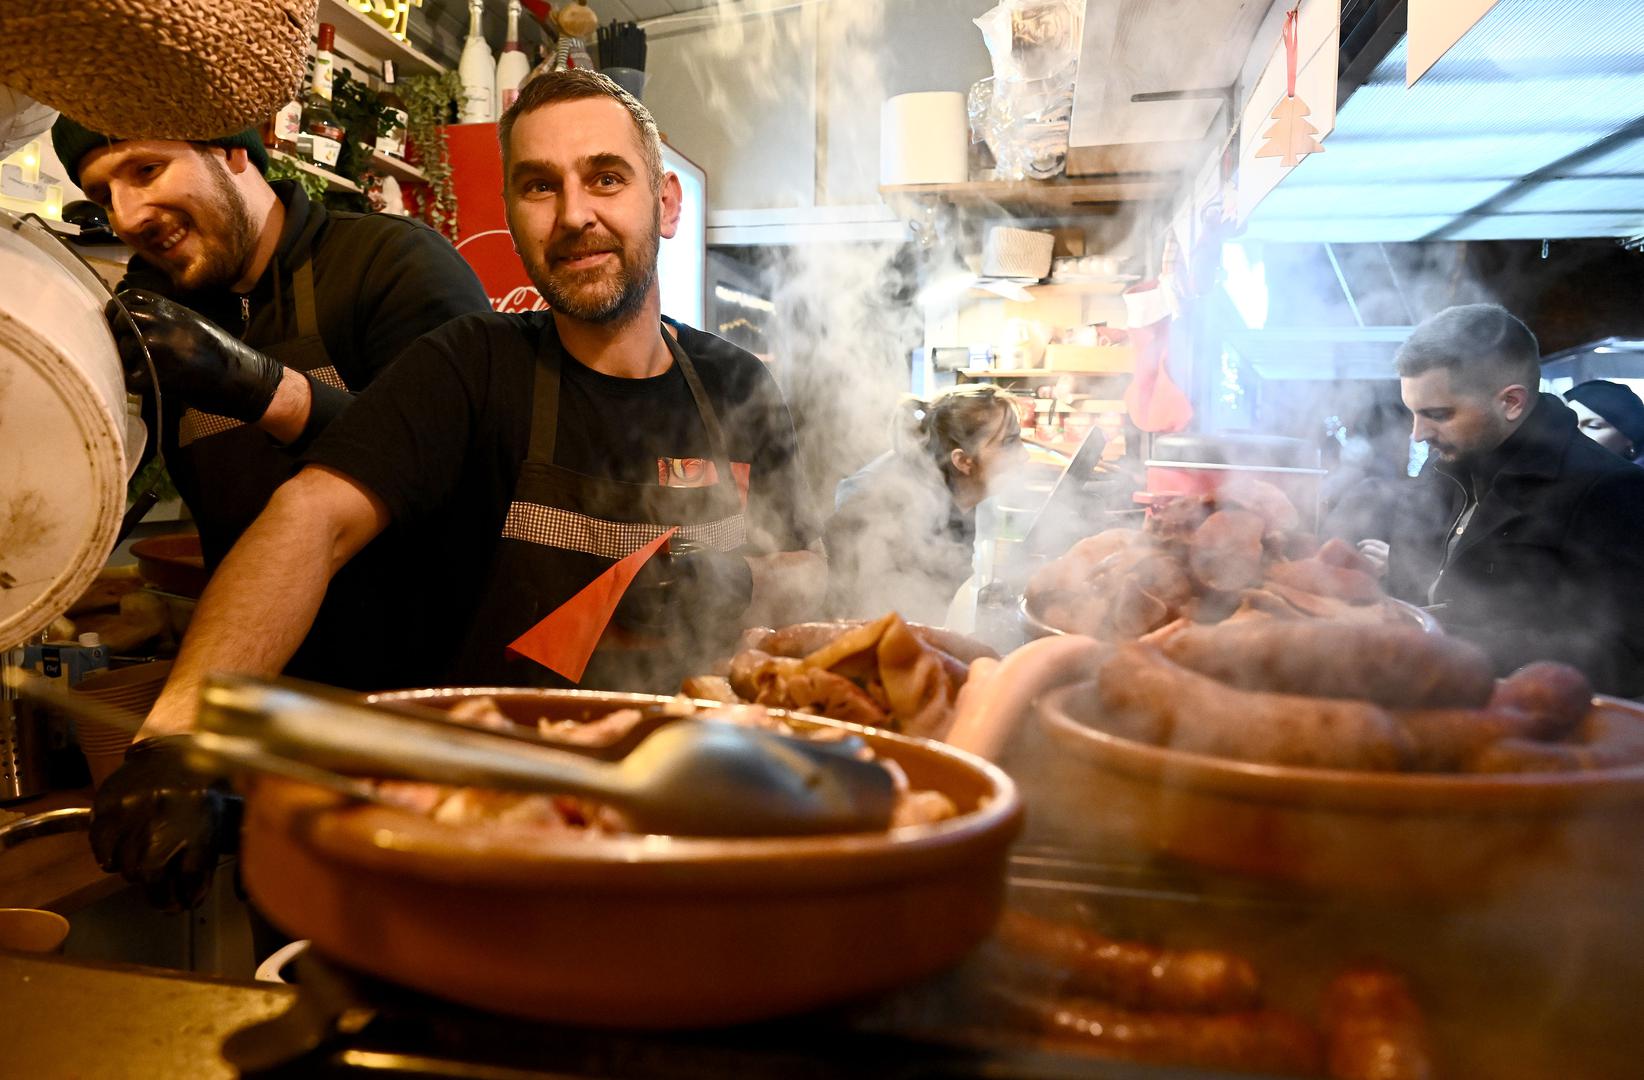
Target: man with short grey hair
point(1525, 536)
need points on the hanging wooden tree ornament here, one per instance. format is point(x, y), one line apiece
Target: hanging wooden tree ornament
point(1291, 137)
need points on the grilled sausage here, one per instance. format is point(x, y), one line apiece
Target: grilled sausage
point(1225, 553)
point(1447, 740)
point(1134, 975)
point(1395, 666)
point(1612, 738)
point(1605, 739)
point(1135, 611)
point(1528, 755)
point(1339, 553)
point(1556, 695)
point(1318, 576)
point(1374, 1029)
point(998, 694)
point(1264, 1041)
point(1139, 685)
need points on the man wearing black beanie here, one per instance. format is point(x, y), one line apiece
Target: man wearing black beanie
point(263, 314)
point(1609, 414)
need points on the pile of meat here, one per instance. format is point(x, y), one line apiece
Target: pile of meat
point(884, 674)
point(1236, 555)
point(1339, 695)
point(1202, 1007)
point(468, 806)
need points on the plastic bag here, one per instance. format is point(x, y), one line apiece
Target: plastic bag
point(1023, 115)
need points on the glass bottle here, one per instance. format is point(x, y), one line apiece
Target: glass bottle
point(478, 71)
point(391, 133)
point(321, 139)
point(281, 131)
point(513, 65)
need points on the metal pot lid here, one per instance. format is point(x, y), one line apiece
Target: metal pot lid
point(1259, 451)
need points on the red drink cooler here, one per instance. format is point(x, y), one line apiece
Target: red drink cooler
point(482, 227)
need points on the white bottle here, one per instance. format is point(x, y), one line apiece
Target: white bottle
point(513, 65)
point(477, 71)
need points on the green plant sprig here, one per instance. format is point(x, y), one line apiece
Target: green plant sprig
point(430, 101)
point(282, 169)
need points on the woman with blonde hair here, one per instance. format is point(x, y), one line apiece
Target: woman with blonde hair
point(904, 526)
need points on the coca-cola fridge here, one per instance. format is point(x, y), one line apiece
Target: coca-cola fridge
point(482, 229)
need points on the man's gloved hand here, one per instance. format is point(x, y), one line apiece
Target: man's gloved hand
point(160, 824)
point(209, 369)
point(699, 590)
point(716, 586)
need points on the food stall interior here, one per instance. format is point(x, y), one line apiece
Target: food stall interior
point(1095, 878)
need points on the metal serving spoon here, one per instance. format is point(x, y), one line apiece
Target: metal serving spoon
point(689, 778)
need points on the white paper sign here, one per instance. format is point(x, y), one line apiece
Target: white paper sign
point(1434, 26)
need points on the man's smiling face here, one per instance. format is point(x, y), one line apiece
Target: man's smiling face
point(585, 213)
point(176, 205)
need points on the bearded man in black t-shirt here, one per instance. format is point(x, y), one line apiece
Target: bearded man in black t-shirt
point(545, 448)
point(534, 456)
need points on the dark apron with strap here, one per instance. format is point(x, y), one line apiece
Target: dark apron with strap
point(232, 468)
point(564, 529)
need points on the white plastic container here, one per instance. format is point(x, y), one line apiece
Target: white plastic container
point(67, 442)
point(924, 138)
point(1017, 253)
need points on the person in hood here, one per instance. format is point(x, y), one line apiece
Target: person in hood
point(903, 530)
point(263, 314)
point(1521, 534)
point(1609, 414)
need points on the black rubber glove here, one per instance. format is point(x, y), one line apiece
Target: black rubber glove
point(162, 825)
point(700, 590)
point(713, 586)
point(195, 360)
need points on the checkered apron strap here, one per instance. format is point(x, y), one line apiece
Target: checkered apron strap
point(196, 425)
point(566, 530)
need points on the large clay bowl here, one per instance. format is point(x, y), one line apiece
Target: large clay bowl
point(634, 931)
point(1416, 835)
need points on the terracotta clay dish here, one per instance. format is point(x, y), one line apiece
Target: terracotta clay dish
point(1396, 610)
point(1439, 835)
point(634, 930)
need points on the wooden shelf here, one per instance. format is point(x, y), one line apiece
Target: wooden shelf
point(1046, 196)
point(360, 37)
point(332, 180)
point(389, 165)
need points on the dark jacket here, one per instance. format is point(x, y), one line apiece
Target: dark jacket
point(380, 282)
point(897, 542)
point(1551, 565)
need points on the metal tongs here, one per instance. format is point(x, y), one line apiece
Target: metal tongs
point(687, 778)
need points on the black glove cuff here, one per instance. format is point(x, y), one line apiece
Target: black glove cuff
point(325, 404)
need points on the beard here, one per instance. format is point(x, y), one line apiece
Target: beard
point(1477, 447)
point(228, 237)
point(606, 294)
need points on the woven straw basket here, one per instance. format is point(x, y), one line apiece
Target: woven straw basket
point(167, 69)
